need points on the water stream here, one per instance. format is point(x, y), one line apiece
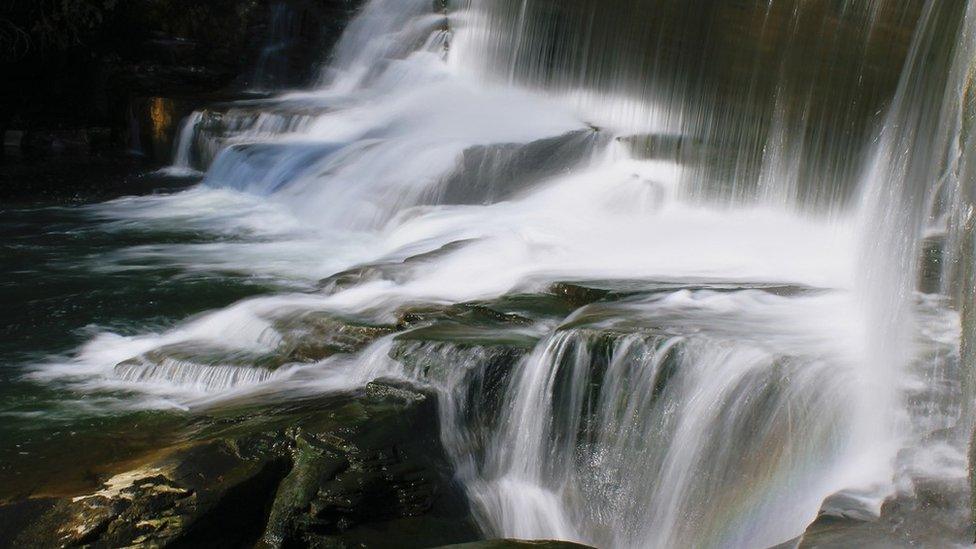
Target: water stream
point(734, 198)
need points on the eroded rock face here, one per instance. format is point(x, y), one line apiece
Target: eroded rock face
point(329, 472)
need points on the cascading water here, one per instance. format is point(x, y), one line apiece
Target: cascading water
point(182, 162)
point(695, 228)
point(902, 180)
point(689, 438)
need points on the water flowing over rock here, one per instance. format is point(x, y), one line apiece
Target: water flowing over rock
point(645, 273)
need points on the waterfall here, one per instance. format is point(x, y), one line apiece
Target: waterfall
point(779, 99)
point(710, 435)
point(659, 258)
point(182, 159)
point(912, 157)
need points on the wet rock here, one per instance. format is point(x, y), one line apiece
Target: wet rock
point(355, 277)
point(314, 336)
point(100, 139)
point(92, 60)
point(490, 173)
point(437, 360)
point(14, 515)
point(182, 498)
point(933, 513)
point(312, 464)
point(377, 467)
point(472, 314)
point(476, 370)
point(488, 336)
point(334, 471)
point(517, 544)
point(577, 295)
point(395, 271)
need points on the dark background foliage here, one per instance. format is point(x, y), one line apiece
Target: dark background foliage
point(73, 63)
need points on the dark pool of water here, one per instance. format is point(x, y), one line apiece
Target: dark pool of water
point(54, 295)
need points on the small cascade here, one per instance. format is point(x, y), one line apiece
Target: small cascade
point(191, 376)
point(182, 159)
point(384, 31)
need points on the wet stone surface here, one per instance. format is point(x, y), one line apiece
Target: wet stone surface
point(328, 472)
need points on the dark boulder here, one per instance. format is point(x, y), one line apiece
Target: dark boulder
point(333, 471)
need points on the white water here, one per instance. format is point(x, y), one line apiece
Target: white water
point(182, 163)
point(708, 418)
point(729, 425)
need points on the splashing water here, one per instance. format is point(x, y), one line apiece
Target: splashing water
point(749, 215)
point(182, 161)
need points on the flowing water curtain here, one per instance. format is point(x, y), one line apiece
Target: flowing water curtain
point(643, 440)
point(952, 219)
point(771, 100)
point(918, 181)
